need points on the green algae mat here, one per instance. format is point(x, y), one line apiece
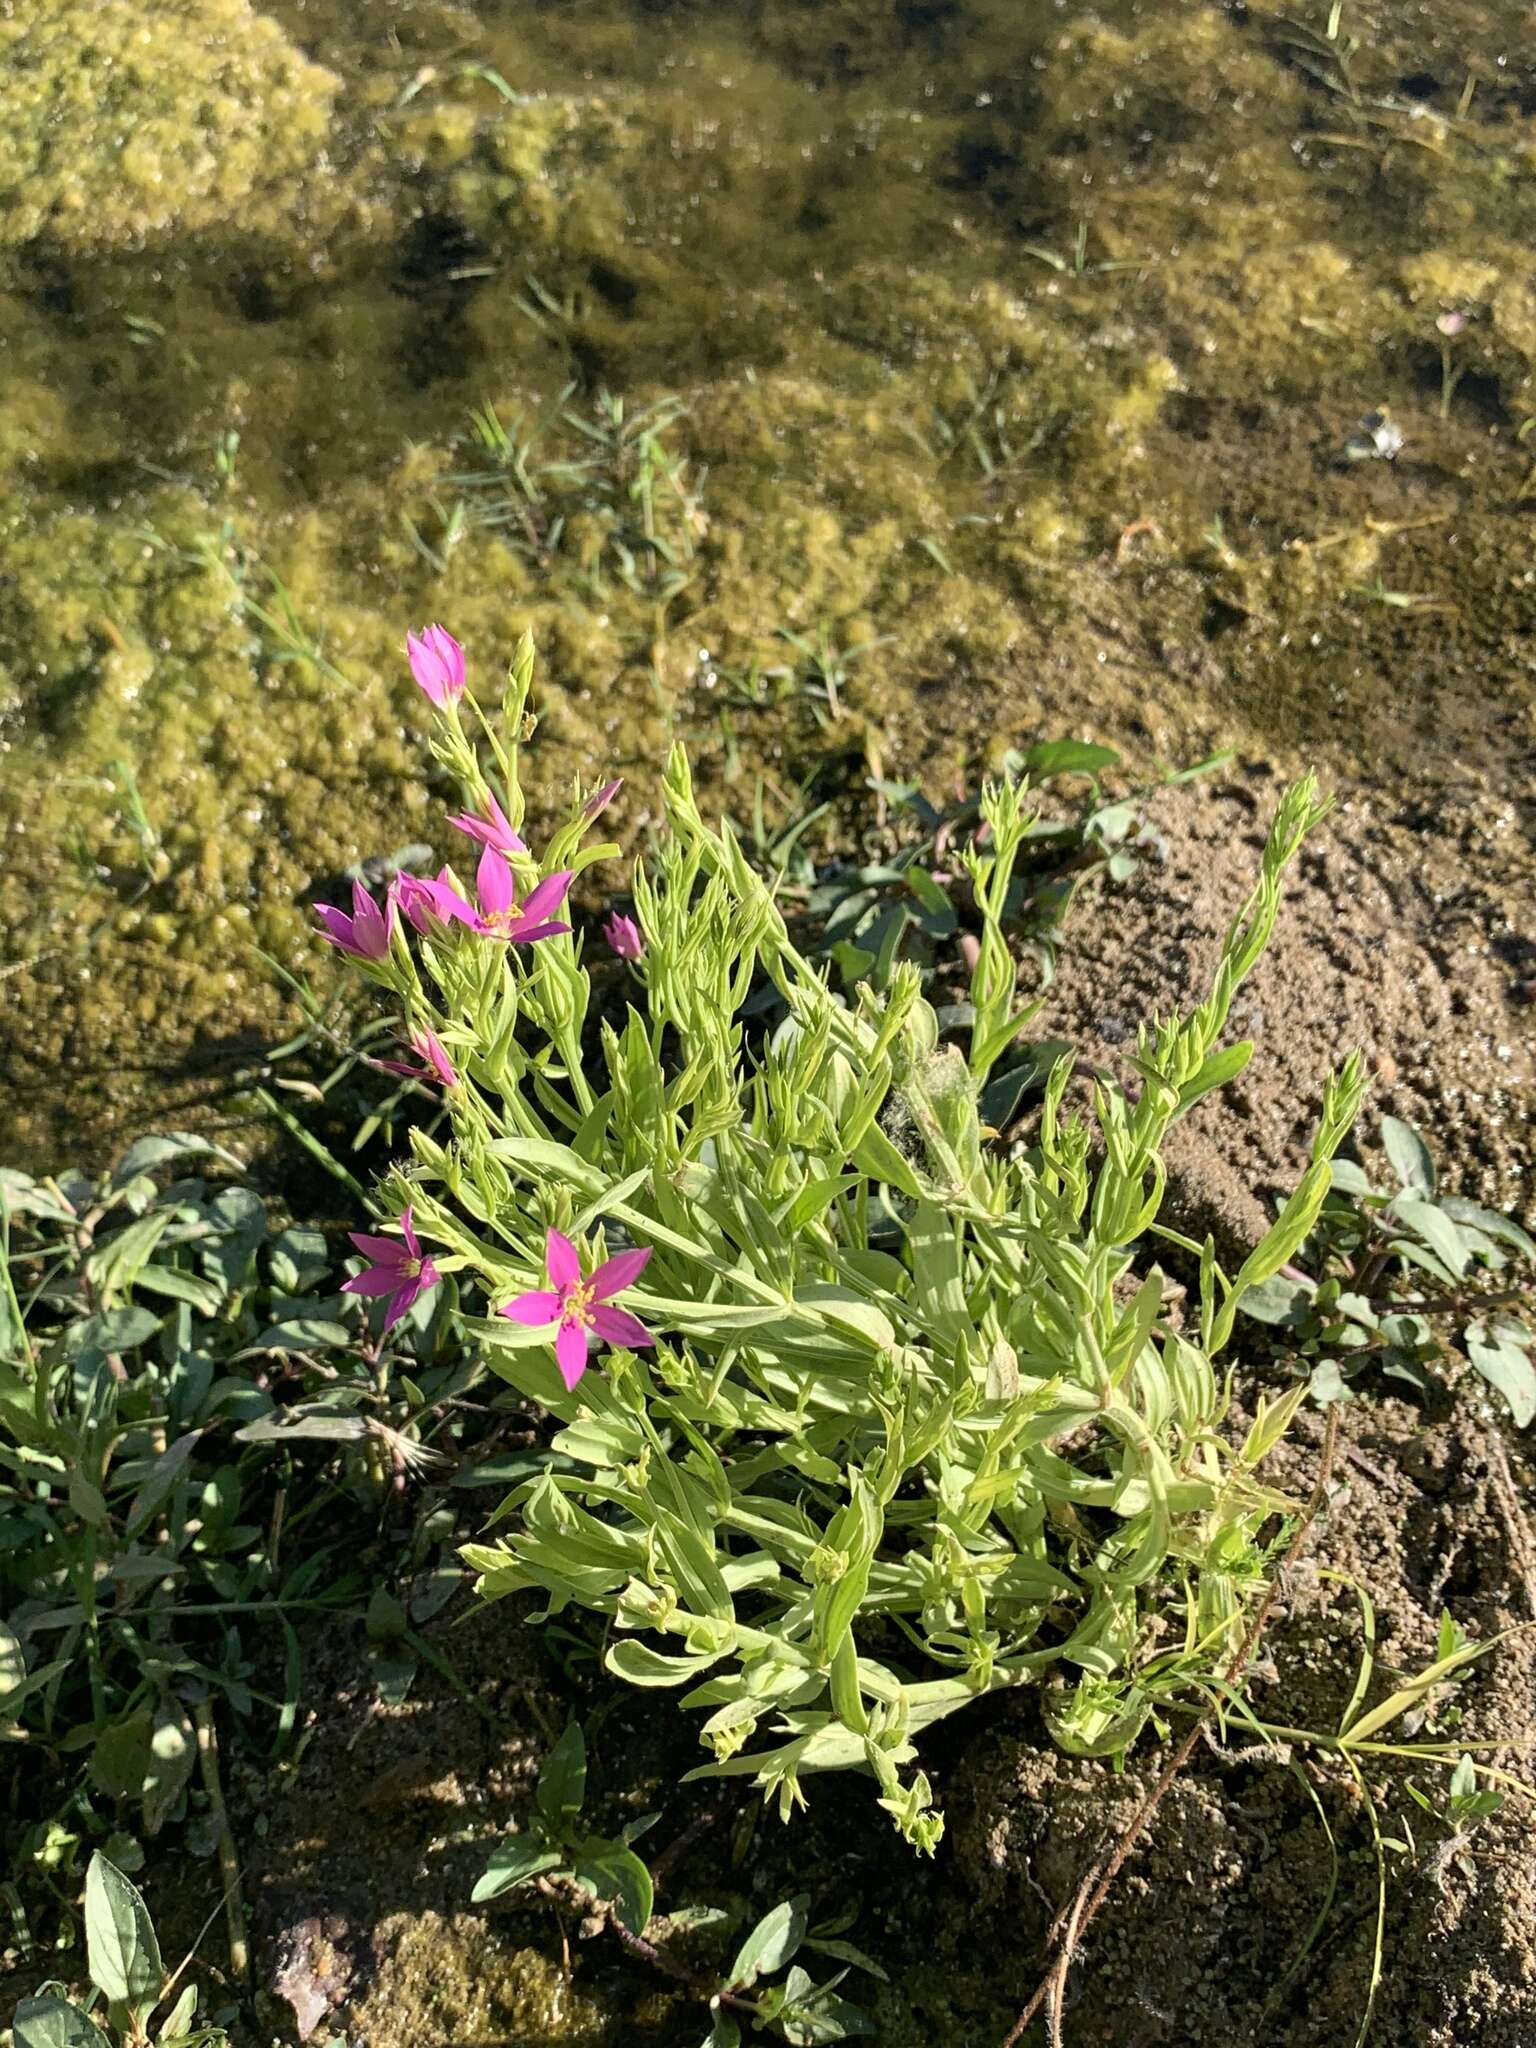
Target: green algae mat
point(875, 382)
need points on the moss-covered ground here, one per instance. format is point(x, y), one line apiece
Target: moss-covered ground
point(1019, 346)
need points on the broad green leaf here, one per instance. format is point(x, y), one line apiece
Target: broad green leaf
point(47, 2022)
point(148, 1153)
point(120, 1756)
point(1410, 1157)
point(199, 1292)
point(563, 1780)
point(1502, 1229)
point(122, 1954)
point(178, 2021)
point(1350, 1178)
point(168, 1767)
point(1067, 757)
point(158, 1482)
point(13, 1661)
point(847, 1312)
point(611, 1871)
point(1276, 1300)
point(771, 1943)
point(513, 1862)
point(1434, 1229)
point(1508, 1368)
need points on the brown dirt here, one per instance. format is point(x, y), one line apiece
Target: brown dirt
point(1383, 942)
point(1195, 1942)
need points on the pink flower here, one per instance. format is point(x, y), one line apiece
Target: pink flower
point(624, 937)
point(497, 831)
point(602, 798)
point(435, 1063)
point(503, 917)
point(432, 904)
point(578, 1305)
point(437, 663)
point(366, 932)
point(1451, 323)
point(402, 1271)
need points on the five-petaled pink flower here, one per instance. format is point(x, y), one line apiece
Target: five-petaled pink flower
point(435, 1064)
point(432, 903)
point(437, 663)
point(402, 1271)
point(495, 830)
point(624, 937)
point(580, 1306)
point(503, 917)
point(365, 932)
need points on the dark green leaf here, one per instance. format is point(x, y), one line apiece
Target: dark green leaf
point(122, 1954)
point(46, 2022)
point(563, 1780)
point(1067, 757)
point(159, 1480)
point(612, 1872)
point(168, 1768)
point(1276, 1300)
point(513, 1862)
point(771, 1943)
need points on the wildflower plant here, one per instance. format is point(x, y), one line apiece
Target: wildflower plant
point(918, 1421)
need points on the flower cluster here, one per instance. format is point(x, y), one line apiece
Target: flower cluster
point(400, 1271)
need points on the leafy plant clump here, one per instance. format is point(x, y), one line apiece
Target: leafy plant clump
point(560, 1855)
point(1387, 1271)
point(176, 1372)
point(128, 1980)
point(888, 1418)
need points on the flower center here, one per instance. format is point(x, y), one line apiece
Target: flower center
point(578, 1304)
point(410, 1268)
point(505, 920)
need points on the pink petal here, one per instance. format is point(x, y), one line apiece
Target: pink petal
point(548, 895)
point(433, 1051)
point(408, 1231)
point(528, 935)
point(560, 1259)
point(384, 1251)
point(571, 1354)
point(493, 884)
point(437, 662)
point(618, 1326)
point(338, 926)
point(619, 1272)
point(405, 1300)
point(534, 1309)
point(377, 1280)
point(602, 799)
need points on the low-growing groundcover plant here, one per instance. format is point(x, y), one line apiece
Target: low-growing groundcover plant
point(1386, 1273)
point(128, 1979)
point(202, 1449)
point(860, 1416)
